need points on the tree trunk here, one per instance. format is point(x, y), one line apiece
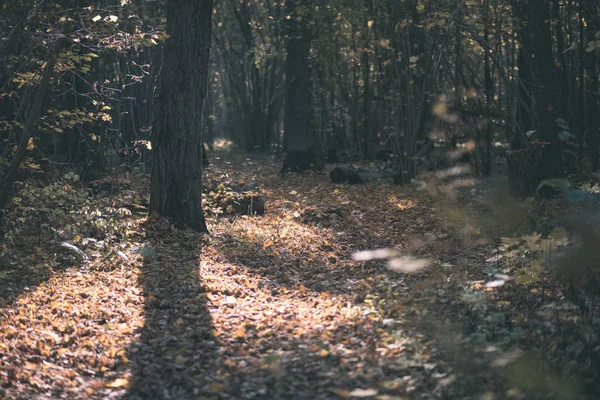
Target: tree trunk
point(176, 190)
point(524, 100)
point(297, 135)
point(591, 99)
point(547, 90)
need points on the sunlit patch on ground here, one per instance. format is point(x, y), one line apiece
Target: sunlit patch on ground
point(402, 204)
point(270, 306)
point(222, 144)
point(70, 335)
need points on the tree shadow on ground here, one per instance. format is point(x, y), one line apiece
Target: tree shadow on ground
point(175, 352)
point(327, 346)
point(18, 279)
point(286, 269)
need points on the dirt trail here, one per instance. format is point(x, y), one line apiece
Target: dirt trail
point(269, 307)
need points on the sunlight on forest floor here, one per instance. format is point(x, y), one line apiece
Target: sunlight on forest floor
point(264, 307)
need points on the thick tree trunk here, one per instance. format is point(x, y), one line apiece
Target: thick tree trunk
point(547, 90)
point(297, 120)
point(176, 190)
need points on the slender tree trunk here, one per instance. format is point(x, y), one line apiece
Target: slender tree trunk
point(591, 99)
point(176, 190)
point(524, 102)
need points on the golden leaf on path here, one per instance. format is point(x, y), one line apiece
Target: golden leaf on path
point(344, 394)
point(118, 383)
point(324, 353)
point(217, 387)
point(89, 391)
point(180, 360)
point(363, 393)
point(240, 333)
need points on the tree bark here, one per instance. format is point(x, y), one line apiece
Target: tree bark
point(547, 91)
point(297, 120)
point(591, 99)
point(176, 189)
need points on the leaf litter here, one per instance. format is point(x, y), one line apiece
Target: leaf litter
point(297, 303)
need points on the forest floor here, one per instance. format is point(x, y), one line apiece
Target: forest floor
point(265, 307)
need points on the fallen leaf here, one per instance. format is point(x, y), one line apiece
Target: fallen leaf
point(217, 387)
point(344, 394)
point(239, 333)
point(362, 393)
point(118, 383)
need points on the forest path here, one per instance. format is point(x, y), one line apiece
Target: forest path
point(269, 307)
point(296, 317)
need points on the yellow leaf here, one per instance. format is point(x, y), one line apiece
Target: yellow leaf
point(76, 238)
point(57, 129)
point(217, 387)
point(344, 394)
point(33, 165)
point(118, 383)
point(363, 393)
point(30, 145)
point(324, 353)
point(240, 333)
point(96, 18)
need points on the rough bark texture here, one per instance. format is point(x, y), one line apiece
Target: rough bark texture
point(297, 135)
point(547, 90)
point(521, 169)
point(176, 135)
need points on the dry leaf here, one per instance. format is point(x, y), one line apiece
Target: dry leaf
point(344, 394)
point(118, 383)
point(239, 333)
point(362, 393)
